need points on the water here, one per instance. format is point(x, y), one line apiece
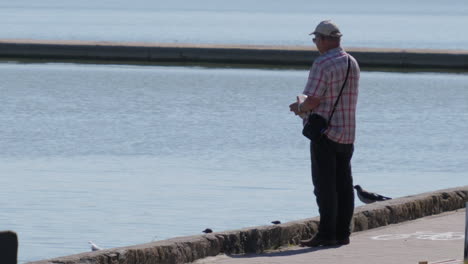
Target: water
point(365, 23)
point(123, 155)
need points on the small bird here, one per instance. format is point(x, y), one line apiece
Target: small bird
point(276, 222)
point(369, 197)
point(94, 247)
point(208, 230)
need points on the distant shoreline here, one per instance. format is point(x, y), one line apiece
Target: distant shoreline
point(226, 55)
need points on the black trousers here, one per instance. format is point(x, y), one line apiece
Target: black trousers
point(333, 186)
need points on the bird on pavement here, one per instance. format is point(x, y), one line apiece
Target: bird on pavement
point(94, 247)
point(369, 197)
point(208, 230)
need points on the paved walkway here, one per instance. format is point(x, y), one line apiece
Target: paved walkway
point(436, 239)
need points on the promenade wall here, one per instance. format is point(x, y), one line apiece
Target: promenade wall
point(157, 53)
point(262, 238)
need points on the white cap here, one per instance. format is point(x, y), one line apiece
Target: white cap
point(327, 28)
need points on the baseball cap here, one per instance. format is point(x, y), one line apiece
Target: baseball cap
point(327, 28)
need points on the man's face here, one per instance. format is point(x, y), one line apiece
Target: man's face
point(318, 40)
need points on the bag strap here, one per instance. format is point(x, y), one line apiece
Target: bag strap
point(342, 88)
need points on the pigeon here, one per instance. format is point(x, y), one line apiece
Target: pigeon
point(94, 247)
point(208, 230)
point(276, 222)
point(369, 197)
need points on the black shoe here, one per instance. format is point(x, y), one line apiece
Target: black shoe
point(317, 241)
point(344, 241)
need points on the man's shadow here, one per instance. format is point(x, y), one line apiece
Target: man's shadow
point(284, 253)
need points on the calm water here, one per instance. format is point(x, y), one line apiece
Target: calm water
point(365, 23)
point(124, 155)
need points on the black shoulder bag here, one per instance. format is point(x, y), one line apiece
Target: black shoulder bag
point(316, 124)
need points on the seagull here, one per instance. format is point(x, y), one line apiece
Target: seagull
point(208, 230)
point(369, 197)
point(276, 222)
point(94, 247)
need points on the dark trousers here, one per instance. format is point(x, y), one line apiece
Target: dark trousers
point(333, 186)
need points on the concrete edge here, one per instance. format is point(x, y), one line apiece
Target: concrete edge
point(154, 53)
point(261, 238)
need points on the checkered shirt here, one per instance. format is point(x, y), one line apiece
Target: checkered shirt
point(326, 78)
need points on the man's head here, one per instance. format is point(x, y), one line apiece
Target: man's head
point(327, 36)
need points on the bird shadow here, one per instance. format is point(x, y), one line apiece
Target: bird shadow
point(283, 253)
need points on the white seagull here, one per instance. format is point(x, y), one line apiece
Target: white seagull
point(94, 247)
point(369, 197)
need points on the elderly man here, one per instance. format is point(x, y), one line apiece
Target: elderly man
point(331, 153)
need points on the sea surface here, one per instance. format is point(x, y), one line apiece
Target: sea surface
point(123, 155)
point(431, 24)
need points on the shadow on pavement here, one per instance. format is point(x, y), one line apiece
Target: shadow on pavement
point(285, 253)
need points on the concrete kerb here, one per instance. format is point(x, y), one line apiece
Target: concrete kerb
point(259, 239)
point(157, 53)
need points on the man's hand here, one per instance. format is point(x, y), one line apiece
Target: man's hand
point(309, 104)
point(294, 107)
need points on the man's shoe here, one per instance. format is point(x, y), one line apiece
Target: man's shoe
point(344, 241)
point(317, 241)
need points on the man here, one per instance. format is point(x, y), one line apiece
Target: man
point(331, 154)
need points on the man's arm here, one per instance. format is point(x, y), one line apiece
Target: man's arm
point(314, 88)
point(309, 104)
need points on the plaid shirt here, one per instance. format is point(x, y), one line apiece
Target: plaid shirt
point(326, 78)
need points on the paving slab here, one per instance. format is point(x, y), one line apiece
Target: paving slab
point(436, 239)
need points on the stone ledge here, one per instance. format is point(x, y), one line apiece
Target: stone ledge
point(157, 53)
point(259, 239)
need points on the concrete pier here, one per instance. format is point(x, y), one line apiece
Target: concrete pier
point(435, 239)
point(263, 238)
point(289, 56)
